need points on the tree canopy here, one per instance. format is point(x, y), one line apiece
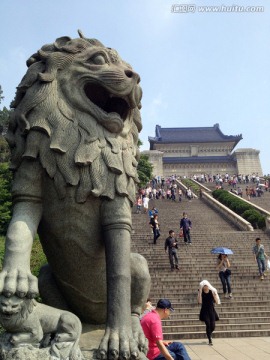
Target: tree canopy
point(5, 197)
point(1, 94)
point(4, 117)
point(144, 168)
point(4, 114)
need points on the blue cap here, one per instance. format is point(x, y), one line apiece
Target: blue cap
point(164, 304)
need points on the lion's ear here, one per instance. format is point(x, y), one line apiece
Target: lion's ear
point(81, 34)
point(59, 42)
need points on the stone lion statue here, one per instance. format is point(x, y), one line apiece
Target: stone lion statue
point(73, 135)
point(30, 323)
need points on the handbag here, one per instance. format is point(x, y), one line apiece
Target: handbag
point(228, 272)
point(181, 234)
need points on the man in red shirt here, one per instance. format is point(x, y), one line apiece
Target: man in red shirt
point(152, 328)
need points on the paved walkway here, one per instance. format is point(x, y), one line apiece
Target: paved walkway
point(253, 348)
point(249, 348)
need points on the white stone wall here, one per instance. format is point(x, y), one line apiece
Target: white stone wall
point(248, 161)
point(155, 158)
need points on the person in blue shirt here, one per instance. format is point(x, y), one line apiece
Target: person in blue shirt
point(153, 212)
point(185, 226)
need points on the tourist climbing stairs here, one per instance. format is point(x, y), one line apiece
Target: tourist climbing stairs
point(247, 313)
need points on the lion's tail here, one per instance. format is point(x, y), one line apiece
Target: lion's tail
point(75, 353)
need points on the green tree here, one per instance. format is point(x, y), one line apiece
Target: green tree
point(4, 117)
point(5, 197)
point(145, 169)
point(4, 150)
point(1, 94)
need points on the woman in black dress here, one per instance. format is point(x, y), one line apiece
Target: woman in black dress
point(207, 297)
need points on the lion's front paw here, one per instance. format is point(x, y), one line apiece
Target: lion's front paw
point(138, 334)
point(118, 344)
point(19, 282)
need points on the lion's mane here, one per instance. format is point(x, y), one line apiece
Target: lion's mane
point(73, 147)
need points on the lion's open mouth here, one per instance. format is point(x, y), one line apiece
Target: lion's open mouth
point(7, 316)
point(106, 101)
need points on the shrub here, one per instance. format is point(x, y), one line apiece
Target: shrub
point(240, 207)
point(256, 219)
point(195, 188)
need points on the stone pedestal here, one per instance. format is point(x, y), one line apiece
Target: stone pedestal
point(89, 343)
point(90, 339)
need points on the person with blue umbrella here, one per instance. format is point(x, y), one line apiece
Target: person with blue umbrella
point(223, 265)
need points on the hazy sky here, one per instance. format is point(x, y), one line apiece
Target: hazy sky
point(197, 68)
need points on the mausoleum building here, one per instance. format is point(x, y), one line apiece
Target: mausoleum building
point(195, 150)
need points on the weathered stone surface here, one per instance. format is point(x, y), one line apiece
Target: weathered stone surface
point(73, 135)
point(30, 326)
point(27, 352)
point(90, 340)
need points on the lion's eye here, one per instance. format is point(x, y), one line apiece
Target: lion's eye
point(99, 59)
point(3, 304)
point(14, 306)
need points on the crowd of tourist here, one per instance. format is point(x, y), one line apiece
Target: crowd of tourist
point(168, 190)
point(230, 179)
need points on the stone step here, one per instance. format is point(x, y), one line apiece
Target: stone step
point(210, 266)
point(217, 334)
point(231, 302)
point(242, 308)
point(247, 314)
point(180, 331)
point(192, 314)
point(176, 276)
point(222, 322)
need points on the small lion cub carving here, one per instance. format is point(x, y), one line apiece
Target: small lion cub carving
point(28, 322)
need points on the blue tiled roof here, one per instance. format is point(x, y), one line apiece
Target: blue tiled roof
point(198, 159)
point(191, 135)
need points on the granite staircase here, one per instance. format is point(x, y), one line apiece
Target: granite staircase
point(247, 314)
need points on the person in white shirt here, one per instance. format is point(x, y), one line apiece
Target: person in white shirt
point(145, 203)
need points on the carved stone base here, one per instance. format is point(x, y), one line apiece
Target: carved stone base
point(27, 352)
point(56, 351)
point(89, 343)
point(90, 340)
